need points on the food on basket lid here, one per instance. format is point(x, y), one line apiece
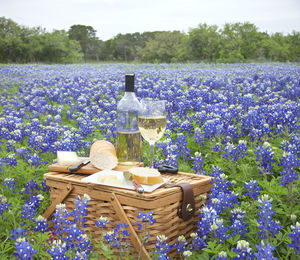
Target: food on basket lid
point(67, 158)
point(110, 179)
point(103, 155)
point(146, 175)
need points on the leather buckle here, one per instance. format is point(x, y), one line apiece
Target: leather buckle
point(186, 207)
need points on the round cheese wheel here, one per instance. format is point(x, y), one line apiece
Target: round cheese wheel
point(145, 175)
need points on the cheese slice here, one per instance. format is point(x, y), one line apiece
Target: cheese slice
point(146, 175)
point(67, 158)
point(110, 180)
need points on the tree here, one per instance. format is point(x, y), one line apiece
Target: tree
point(86, 36)
point(164, 47)
point(21, 44)
point(204, 43)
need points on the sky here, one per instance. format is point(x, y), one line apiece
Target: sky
point(111, 17)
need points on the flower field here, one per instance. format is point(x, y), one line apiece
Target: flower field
point(238, 123)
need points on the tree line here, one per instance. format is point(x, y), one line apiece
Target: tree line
point(234, 42)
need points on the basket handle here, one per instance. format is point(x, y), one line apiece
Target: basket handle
point(133, 235)
point(62, 195)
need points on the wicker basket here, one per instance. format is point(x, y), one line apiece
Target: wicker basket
point(121, 205)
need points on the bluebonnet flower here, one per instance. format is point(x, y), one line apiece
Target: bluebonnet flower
point(31, 187)
point(221, 256)
point(34, 160)
point(183, 146)
point(3, 204)
point(216, 147)
point(229, 152)
point(181, 244)
point(219, 230)
point(292, 146)
point(80, 210)
point(147, 217)
point(199, 136)
point(1, 164)
point(115, 237)
point(11, 146)
point(289, 162)
point(60, 220)
point(34, 200)
point(102, 222)
point(207, 218)
point(239, 225)
point(58, 251)
point(45, 187)
point(265, 251)
point(28, 212)
point(84, 245)
point(161, 248)
point(11, 160)
point(198, 242)
point(81, 256)
point(252, 188)
point(267, 226)
point(264, 155)
point(295, 236)
point(170, 152)
point(243, 250)
point(232, 131)
point(9, 183)
point(41, 224)
point(198, 163)
point(73, 234)
point(232, 152)
point(221, 196)
point(24, 250)
point(17, 232)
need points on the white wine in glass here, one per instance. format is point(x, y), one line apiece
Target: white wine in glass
point(152, 122)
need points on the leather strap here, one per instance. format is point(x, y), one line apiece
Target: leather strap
point(186, 208)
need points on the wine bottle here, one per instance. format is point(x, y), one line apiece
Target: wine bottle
point(128, 144)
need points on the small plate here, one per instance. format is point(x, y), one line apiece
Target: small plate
point(128, 185)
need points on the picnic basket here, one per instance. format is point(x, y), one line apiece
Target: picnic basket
point(122, 205)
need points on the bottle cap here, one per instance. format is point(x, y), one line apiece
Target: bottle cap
point(129, 83)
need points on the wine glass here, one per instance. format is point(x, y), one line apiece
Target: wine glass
point(152, 122)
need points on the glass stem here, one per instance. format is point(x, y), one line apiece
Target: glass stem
point(151, 153)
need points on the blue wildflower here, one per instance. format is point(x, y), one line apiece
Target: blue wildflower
point(9, 183)
point(17, 232)
point(181, 244)
point(58, 251)
point(265, 251)
point(102, 222)
point(161, 248)
point(252, 189)
point(24, 250)
point(31, 187)
point(41, 224)
point(3, 205)
point(243, 250)
point(264, 155)
point(289, 162)
point(221, 256)
point(267, 226)
point(238, 221)
point(80, 210)
point(198, 163)
point(146, 217)
point(295, 236)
